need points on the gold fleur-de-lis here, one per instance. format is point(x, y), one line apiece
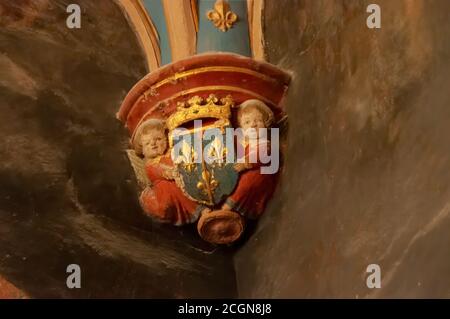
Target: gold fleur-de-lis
point(218, 152)
point(222, 16)
point(208, 185)
point(187, 158)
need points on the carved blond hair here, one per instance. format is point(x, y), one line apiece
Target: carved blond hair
point(262, 107)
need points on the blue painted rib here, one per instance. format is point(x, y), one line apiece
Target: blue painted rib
point(235, 40)
point(156, 11)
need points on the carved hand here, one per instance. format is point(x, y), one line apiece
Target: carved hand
point(170, 173)
point(239, 167)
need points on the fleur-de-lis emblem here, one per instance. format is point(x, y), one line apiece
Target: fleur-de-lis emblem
point(208, 184)
point(222, 16)
point(217, 151)
point(187, 157)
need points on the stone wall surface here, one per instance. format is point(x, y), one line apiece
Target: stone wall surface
point(367, 176)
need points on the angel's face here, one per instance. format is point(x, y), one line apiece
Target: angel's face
point(154, 143)
point(251, 119)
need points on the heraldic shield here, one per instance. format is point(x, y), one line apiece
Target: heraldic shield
point(201, 149)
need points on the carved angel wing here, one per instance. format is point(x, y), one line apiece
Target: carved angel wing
point(138, 165)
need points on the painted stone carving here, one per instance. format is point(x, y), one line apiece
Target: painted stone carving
point(201, 131)
point(254, 188)
point(161, 198)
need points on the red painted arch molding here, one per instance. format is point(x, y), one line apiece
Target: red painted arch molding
point(156, 95)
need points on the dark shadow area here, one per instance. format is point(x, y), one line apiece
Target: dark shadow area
point(68, 193)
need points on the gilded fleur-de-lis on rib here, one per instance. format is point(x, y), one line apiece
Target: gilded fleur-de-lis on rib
point(222, 16)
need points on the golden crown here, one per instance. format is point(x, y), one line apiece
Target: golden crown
point(197, 108)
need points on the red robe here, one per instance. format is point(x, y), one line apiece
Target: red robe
point(254, 189)
point(164, 200)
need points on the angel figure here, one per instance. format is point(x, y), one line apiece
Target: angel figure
point(161, 198)
point(254, 189)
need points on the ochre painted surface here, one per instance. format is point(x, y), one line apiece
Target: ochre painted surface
point(9, 291)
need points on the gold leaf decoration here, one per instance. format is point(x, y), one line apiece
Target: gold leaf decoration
point(222, 16)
